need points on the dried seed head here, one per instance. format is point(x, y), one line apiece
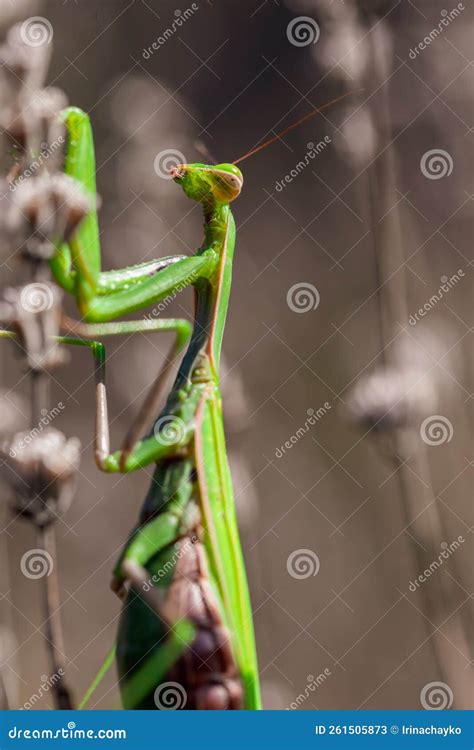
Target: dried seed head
point(36, 55)
point(44, 130)
point(24, 60)
point(390, 398)
point(14, 65)
point(34, 313)
point(45, 211)
point(41, 467)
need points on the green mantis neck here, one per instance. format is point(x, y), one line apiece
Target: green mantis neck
point(212, 295)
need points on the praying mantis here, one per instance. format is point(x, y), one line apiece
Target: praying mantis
point(187, 526)
point(186, 619)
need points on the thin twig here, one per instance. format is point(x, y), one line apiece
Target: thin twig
point(53, 631)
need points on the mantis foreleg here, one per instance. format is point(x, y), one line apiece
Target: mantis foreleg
point(103, 296)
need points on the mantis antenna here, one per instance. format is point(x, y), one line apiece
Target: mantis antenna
point(295, 125)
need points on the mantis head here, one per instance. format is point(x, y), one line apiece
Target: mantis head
point(205, 183)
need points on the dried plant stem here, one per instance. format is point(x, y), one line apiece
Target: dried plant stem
point(4, 702)
point(53, 628)
point(421, 511)
point(46, 539)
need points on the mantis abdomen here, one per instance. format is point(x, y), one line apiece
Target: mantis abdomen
point(206, 673)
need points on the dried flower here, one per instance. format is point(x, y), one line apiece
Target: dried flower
point(45, 212)
point(33, 311)
point(41, 467)
point(44, 129)
point(389, 398)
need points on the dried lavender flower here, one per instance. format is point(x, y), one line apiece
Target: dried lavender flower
point(33, 311)
point(44, 131)
point(34, 37)
point(389, 398)
point(41, 467)
point(45, 212)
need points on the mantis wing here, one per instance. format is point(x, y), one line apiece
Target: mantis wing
point(222, 541)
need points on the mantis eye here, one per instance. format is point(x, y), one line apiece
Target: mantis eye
point(227, 186)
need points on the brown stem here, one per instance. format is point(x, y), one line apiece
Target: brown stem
point(53, 632)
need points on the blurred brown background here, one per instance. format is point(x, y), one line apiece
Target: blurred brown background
point(230, 77)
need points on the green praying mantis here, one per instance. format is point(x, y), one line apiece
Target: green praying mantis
point(187, 526)
point(187, 618)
